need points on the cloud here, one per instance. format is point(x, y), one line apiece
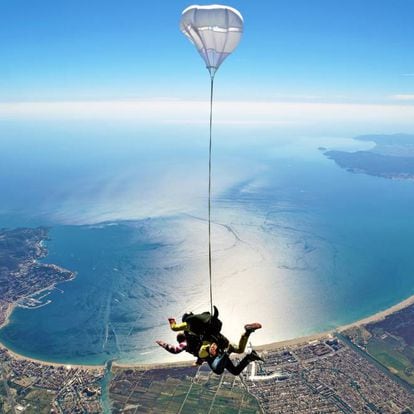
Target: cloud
point(279, 114)
point(403, 97)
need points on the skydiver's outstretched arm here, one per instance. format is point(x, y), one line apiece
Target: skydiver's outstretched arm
point(173, 349)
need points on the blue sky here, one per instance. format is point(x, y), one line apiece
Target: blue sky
point(358, 51)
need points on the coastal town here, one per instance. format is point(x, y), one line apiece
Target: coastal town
point(325, 375)
point(35, 387)
point(364, 368)
point(21, 273)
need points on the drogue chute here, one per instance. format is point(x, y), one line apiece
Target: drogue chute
point(215, 31)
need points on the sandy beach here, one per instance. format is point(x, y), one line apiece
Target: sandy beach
point(369, 319)
point(14, 355)
point(294, 341)
point(155, 365)
point(380, 315)
point(373, 318)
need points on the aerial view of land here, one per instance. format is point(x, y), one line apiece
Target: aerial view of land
point(390, 341)
point(36, 388)
point(349, 372)
point(28, 385)
point(21, 275)
point(324, 375)
point(392, 157)
point(184, 389)
point(164, 158)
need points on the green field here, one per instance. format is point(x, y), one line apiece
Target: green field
point(191, 395)
point(395, 359)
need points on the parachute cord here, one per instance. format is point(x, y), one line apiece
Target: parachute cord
point(209, 194)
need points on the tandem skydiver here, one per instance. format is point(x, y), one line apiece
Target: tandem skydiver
point(200, 336)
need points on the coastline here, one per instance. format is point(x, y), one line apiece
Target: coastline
point(376, 317)
point(271, 346)
point(7, 307)
point(20, 357)
point(10, 308)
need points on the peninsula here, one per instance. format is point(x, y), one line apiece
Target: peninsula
point(21, 274)
point(391, 157)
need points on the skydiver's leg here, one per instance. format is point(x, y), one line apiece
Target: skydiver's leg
point(241, 346)
point(248, 329)
point(237, 369)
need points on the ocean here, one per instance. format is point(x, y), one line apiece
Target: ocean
point(299, 244)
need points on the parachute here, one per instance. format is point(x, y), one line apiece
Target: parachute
point(215, 31)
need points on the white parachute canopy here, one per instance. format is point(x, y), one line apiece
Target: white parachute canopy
point(215, 31)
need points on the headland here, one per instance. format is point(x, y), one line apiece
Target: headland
point(392, 157)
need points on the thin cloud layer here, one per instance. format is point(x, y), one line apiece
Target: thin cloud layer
point(305, 114)
point(403, 97)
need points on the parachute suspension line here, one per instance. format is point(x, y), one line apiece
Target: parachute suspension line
point(209, 192)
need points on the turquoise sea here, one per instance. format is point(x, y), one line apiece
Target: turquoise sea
point(298, 243)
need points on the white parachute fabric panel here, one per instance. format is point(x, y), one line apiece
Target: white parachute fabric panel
point(215, 31)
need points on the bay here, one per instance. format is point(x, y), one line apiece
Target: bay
point(298, 244)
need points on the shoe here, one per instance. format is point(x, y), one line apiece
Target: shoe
point(254, 356)
point(251, 327)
